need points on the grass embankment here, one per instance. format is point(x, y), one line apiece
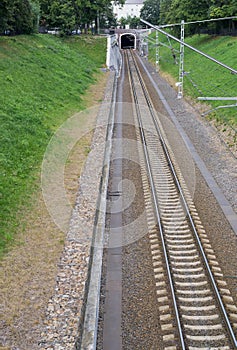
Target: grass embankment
point(203, 77)
point(42, 82)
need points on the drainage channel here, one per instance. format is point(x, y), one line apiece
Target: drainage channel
point(111, 337)
point(112, 332)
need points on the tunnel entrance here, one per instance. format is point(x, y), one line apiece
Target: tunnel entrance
point(128, 41)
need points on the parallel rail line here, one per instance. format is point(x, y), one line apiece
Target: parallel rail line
point(205, 313)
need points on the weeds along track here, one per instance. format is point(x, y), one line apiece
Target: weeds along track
point(195, 306)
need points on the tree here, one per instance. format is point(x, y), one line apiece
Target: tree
point(173, 11)
point(123, 22)
point(66, 14)
point(22, 20)
point(62, 16)
point(35, 9)
point(45, 6)
point(77, 12)
point(107, 18)
point(19, 16)
point(225, 8)
point(6, 13)
point(134, 22)
point(220, 9)
point(151, 11)
point(188, 10)
point(164, 10)
point(97, 12)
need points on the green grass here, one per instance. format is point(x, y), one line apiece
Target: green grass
point(42, 81)
point(205, 78)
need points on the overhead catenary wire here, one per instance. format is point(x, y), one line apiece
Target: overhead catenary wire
point(232, 70)
point(201, 21)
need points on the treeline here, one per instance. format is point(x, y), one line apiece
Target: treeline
point(26, 16)
point(173, 11)
point(18, 16)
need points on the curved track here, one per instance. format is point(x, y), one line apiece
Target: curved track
point(196, 309)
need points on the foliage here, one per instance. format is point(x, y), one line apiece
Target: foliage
point(151, 11)
point(164, 10)
point(173, 11)
point(188, 11)
point(132, 21)
point(223, 8)
point(23, 16)
point(62, 15)
point(69, 14)
point(42, 82)
point(5, 14)
point(123, 21)
point(19, 16)
point(35, 9)
point(107, 18)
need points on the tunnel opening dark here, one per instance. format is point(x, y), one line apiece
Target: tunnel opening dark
point(127, 41)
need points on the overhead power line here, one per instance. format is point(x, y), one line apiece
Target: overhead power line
point(194, 22)
point(232, 70)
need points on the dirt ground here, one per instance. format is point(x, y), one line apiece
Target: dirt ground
point(27, 272)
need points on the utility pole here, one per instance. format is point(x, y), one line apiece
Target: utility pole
point(157, 51)
point(181, 63)
point(98, 23)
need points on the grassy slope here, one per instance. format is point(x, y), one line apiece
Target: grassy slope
point(42, 80)
point(209, 78)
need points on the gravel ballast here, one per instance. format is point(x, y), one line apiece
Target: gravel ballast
point(215, 168)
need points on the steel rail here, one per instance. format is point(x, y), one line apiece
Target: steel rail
point(232, 70)
point(156, 206)
point(177, 182)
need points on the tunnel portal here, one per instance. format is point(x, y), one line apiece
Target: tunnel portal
point(128, 41)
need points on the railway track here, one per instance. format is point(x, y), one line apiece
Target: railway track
point(187, 295)
point(196, 309)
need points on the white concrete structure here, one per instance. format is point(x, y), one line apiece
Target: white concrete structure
point(113, 57)
point(130, 8)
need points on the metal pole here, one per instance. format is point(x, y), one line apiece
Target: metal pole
point(141, 51)
point(98, 23)
point(217, 99)
point(157, 51)
point(146, 41)
point(181, 63)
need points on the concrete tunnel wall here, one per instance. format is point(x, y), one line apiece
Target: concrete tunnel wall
point(128, 41)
